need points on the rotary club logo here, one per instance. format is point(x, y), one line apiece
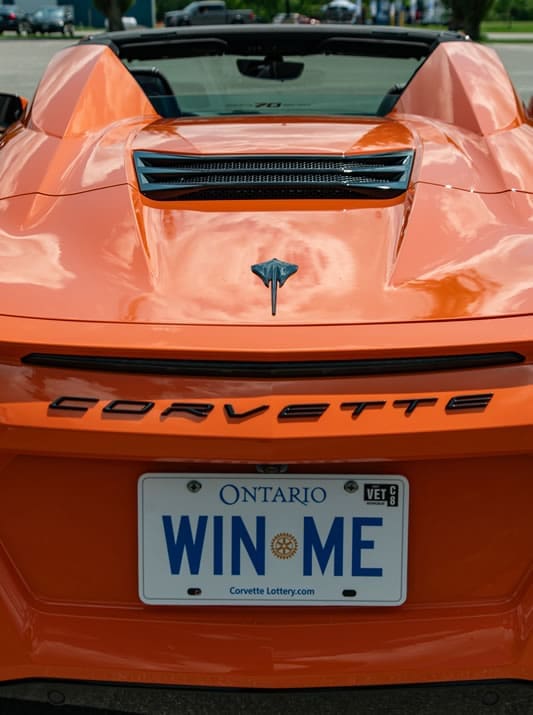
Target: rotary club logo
point(284, 545)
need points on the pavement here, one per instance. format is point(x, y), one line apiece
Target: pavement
point(509, 36)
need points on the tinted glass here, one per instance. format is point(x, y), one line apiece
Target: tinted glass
point(336, 85)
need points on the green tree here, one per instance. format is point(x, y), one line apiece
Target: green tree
point(113, 11)
point(510, 10)
point(467, 15)
point(265, 10)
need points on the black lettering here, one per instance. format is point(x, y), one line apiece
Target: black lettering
point(380, 494)
point(198, 409)
point(469, 402)
point(76, 404)
point(370, 491)
point(301, 412)
point(128, 407)
point(411, 404)
point(230, 412)
point(359, 407)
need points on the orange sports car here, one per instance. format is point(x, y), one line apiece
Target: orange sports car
point(266, 359)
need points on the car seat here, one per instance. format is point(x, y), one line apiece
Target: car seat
point(158, 90)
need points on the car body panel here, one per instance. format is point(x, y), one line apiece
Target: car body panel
point(84, 78)
point(462, 83)
point(410, 277)
point(158, 266)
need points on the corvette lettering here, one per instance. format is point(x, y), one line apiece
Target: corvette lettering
point(298, 411)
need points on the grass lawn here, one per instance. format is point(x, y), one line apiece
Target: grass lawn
point(504, 26)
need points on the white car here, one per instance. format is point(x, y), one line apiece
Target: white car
point(129, 23)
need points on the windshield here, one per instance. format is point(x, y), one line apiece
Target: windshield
point(310, 85)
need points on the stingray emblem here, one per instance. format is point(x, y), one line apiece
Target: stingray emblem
point(274, 272)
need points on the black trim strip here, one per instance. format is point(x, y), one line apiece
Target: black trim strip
point(270, 370)
point(259, 40)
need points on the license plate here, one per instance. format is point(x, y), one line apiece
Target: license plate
point(212, 539)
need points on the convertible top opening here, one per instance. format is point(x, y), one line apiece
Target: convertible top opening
point(317, 71)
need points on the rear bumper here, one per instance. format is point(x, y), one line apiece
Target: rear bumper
point(69, 604)
point(490, 697)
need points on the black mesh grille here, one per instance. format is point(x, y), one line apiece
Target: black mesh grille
point(174, 177)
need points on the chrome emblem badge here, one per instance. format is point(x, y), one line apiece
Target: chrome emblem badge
point(274, 272)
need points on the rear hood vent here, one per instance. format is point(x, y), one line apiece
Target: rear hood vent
point(171, 177)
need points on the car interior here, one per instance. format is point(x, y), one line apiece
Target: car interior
point(158, 90)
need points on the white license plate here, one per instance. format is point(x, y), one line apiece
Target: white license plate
point(229, 539)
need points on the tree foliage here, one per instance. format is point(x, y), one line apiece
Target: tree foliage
point(510, 10)
point(113, 11)
point(467, 15)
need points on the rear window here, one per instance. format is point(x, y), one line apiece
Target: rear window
point(312, 85)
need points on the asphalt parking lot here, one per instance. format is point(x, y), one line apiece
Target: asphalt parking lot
point(21, 65)
point(518, 60)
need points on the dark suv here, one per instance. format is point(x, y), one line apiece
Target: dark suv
point(57, 18)
point(10, 18)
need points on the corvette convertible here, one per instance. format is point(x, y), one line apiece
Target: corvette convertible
point(266, 366)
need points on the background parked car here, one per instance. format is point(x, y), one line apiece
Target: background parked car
point(10, 17)
point(340, 11)
point(293, 18)
point(129, 23)
point(208, 12)
point(56, 18)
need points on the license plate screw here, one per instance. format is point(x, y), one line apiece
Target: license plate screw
point(349, 593)
point(351, 486)
point(194, 486)
point(271, 468)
